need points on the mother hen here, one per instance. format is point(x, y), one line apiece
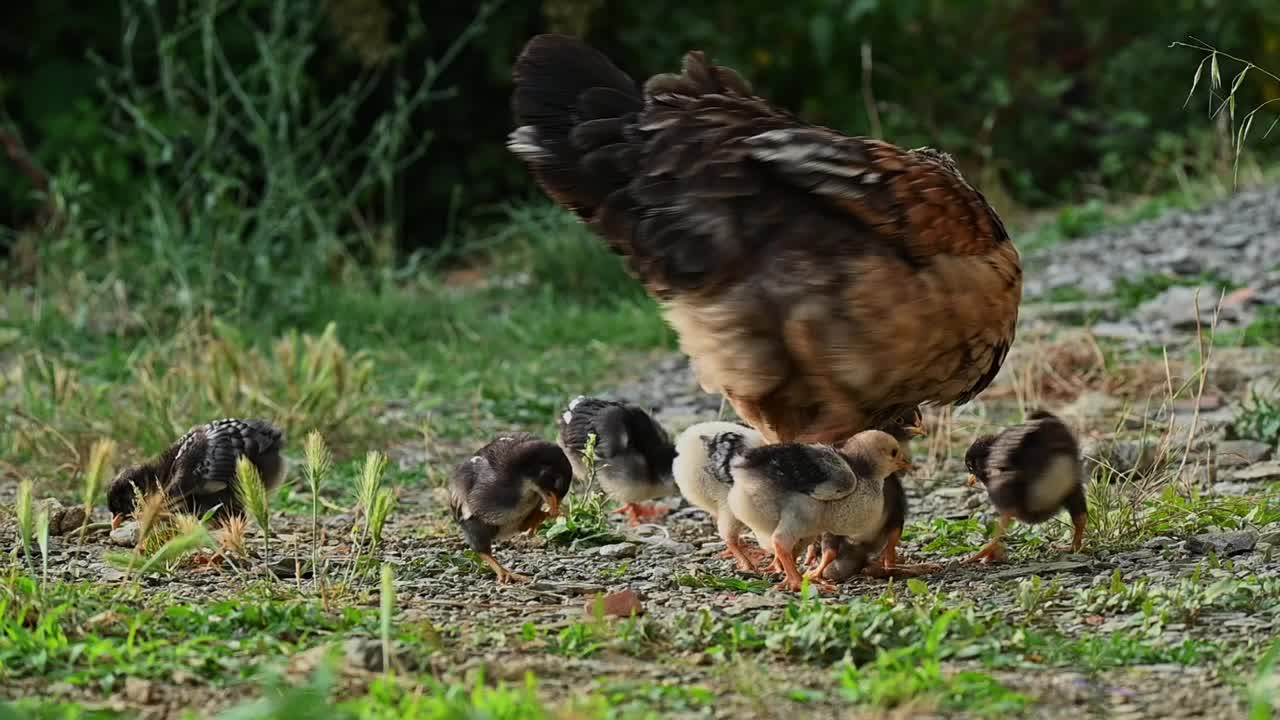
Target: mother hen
point(823, 283)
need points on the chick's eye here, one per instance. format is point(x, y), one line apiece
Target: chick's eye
point(894, 452)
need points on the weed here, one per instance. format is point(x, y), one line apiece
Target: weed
point(386, 607)
point(585, 524)
point(1259, 418)
point(318, 463)
point(708, 581)
point(373, 502)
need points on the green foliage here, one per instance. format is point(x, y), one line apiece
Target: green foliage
point(1259, 419)
point(708, 581)
point(252, 493)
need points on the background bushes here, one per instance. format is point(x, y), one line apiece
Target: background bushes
point(385, 120)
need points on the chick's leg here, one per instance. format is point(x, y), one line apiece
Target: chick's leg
point(783, 549)
point(505, 576)
point(534, 520)
point(994, 551)
point(1078, 523)
point(828, 557)
point(889, 566)
point(731, 533)
point(636, 512)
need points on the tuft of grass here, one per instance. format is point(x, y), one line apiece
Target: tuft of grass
point(1132, 293)
point(386, 606)
point(252, 493)
point(911, 676)
point(42, 540)
point(169, 555)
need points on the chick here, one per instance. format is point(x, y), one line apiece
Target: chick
point(842, 558)
point(790, 493)
point(702, 470)
point(633, 452)
point(499, 492)
point(1031, 471)
point(198, 472)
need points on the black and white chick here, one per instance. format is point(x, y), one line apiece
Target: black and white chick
point(1031, 472)
point(793, 493)
point(499, 492)
point(633, 453)
point(198, 472)
point(703, 473)
point(842, 558)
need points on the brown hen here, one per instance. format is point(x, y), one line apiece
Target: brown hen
point(823, 283)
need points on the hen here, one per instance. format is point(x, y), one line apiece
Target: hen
point(822, 283)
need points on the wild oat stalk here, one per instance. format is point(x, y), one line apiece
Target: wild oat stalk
point(381, 510)
point(253, 495)
point(25, 513)
point(94, 476)
point(367, 489)
point(42, 539)
point(387, 607)
point(318, 463)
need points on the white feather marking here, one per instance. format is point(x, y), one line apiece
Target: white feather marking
point(1050, 489)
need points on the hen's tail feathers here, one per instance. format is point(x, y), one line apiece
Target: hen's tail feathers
point(571, 105)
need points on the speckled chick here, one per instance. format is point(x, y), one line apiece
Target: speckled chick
point(703, 473)
point(791, 493)
point(198, 472)
point(634, 454)
point(1031, 472)
point(499, 492)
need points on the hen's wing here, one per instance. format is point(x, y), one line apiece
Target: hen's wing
point(823, 283)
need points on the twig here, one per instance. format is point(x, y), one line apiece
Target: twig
point(868, 95)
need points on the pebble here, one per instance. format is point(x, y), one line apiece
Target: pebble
point(1258, 472)
point(615, 550)
point(669, 546)
point(1223, 543)
point(126, 535)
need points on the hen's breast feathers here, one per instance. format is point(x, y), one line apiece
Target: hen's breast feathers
point(808, 274)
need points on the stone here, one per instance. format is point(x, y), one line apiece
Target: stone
point(62, 519)
point(1234, 453)
point(614, 551)
point(1091, 405)
point(1258, 472)
point(138, 690)
point(1039, 569)
point(364, 654)
point(127, 534)
point(669, 546)
point(1223, 543)
point(622, 604)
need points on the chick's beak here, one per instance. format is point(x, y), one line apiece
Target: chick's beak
point(916, 431)
point(905, 465)
point(972, 480)
point(116, 520)
point(553, 502)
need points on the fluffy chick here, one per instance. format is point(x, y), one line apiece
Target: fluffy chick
point(198, 472)
point(633, 452)
point(1031, 471)
point(791, 493)
point(703, 473)
point(499, 492)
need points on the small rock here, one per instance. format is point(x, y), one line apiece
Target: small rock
point(1092, 405)
point(620, 604)
point(62, 519)
point(1159, 542)
point(615, 550)
point(1257, 472)
point(110, 574)
point(290, 568)
point(1124, 331)
point(1270, 538)
point(364, 653)
point(137, 690)
point(126, 535)
point(669, 546)
point(1039, 569)
point(1226, 543)
point(1234, 453)
point(1176, 308)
